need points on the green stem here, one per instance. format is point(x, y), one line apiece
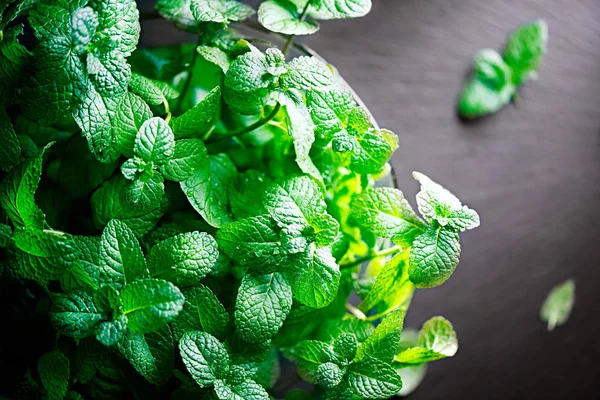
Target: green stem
point(290, 39)
point(188, 80)
point(249, 128)
point(376, 254)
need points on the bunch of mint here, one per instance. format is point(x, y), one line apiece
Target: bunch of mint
point(187, 217)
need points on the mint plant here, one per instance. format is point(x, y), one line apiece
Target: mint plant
point(497, 78)
point(178, 221)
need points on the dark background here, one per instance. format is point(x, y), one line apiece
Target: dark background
point(532, 173)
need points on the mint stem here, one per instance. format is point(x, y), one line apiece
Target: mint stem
point(188, 80)
point(371, 256)
point(290, 38)
point(249, 128)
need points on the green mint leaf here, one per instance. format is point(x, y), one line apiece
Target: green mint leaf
point(372, 151)
point(332, 329)
point(197, 120)
point(179, 13)
point(558, 305)
point(131, 114)
point(276, 61)
point(438, 204)
point(75, 314)
point(121, 258)
point(433, 257)
point(385, 212)
point(328, 375)
point(373, 379)
point(10, 152)
point(306, 73)
point(315, 278)
point(384, 340)
point(152, 354)
point(183, 259)
point(145, 192)
point(110, 333)
point(58, 74)
point(204, 357)
point(215, 56)
point(13, 59)
point(490, 89)
point(248, 390)
point(133, 168)
point(155, 141)
point(107, 204)
point(263, 302)
point(251, 242)
point(223, 11)
point(17, 192)
point(53, 369)
point(188, 154)
point(150, 303)
point(246, 194)
point(301, 128)
point(326, 229)
point(525, 49)
point(392, 288)
point(95, 117)
point(108, 301)
point(248, 82)
point(437, 340)
point(206, 190)
point(85, 23)
point(295, 201)
point(338, 9)
point(202, 310)
point(329, 110)
point(346, 345)
point(282, 16)
point(309, 355)
point(152, 91)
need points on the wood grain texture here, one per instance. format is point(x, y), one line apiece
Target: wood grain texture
point(532, 172)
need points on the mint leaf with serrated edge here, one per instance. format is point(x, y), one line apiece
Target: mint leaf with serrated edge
point(282, 16)
point(53, 369)
point(436, 340)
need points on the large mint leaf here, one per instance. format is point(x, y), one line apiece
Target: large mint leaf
point(121, 258)
point(248, 82)
point(10, 152)
point(206, 190)
point(373, 379)
point(386, 213)
point(204, 357)
point(329, 111)
point(438, 204)
point(187, 156)
point(74, 314)
point(433, 257)
point(222, 11)
point(306, 73)
point(150, 303)
point(392, 288)
point(152, 354)
point(202, 310)
point(53, 369)
point(183, 259)
point(17, 192)
point(384, 340)
point(263, 302)
point(252, 242)
point(155, 141)
point(315, 277)
point(282, 16)
point(58, 79)
point(437, 340)
point(131, 113)
point(558, 305)
point(198, 119)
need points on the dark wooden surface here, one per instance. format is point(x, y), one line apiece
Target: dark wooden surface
point(533, 174)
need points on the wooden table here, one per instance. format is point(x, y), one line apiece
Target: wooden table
point(533, 174)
